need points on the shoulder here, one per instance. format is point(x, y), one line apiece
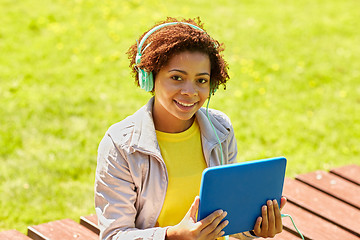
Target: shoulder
point(124, 126)
point(218, 117)
point(122, 132)
point(117, 136)
point(129, 131)
point(133, 121)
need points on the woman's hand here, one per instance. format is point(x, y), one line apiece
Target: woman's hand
point(189, 229)
point(270, 223)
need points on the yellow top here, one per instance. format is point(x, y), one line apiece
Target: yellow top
point(184, 159)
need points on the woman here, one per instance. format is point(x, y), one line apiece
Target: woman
point(150, 164)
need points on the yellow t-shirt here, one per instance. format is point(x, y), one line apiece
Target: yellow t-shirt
point(184, 159)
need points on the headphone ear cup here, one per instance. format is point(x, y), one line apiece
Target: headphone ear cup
point(141, 78)
point(150, 82)
point(146, 80)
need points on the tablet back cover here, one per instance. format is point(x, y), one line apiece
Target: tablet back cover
point(241, 189)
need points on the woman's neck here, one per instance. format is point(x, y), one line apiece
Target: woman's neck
point(172, 125)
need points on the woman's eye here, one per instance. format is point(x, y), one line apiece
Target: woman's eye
point(176, 78)
point(202, 80)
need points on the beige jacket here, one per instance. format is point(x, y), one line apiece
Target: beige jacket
point(131, 177)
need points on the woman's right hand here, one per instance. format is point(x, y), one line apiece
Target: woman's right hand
point(188, 229)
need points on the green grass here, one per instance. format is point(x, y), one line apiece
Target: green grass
point(64, 79)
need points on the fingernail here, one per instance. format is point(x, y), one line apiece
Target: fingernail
point(226, 222)
point(275, 202)
point(269, 202)
point(222, 233)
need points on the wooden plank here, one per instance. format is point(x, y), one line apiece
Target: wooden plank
point(90, 222)
point(13, 235)
point(312, 226)
point(60, 230)
point(334, 186)
point(322, 205)
point(349, 172)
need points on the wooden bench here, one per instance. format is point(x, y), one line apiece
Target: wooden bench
point(324, 205)
point(13, 235)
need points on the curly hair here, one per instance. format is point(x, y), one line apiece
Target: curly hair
point(170, 40)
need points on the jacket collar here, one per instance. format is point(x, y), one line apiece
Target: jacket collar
point(207, 130)
point(144, 135)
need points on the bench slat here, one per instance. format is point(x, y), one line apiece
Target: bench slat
point(349, 172)
point(90, 222)
point(61, 229)
point(13, 235)
point(334, 186)
point(322, 205)
point(312, 226)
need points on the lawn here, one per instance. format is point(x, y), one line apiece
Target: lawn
point(64, 79)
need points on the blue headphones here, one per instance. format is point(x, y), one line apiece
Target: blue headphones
point(146, 79)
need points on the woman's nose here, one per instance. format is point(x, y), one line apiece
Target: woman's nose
point(189, 88)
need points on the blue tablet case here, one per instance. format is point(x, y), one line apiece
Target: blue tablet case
point(241, 189)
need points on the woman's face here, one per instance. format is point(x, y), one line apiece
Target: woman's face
point(181, 88)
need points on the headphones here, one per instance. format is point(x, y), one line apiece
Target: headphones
point(146, 79)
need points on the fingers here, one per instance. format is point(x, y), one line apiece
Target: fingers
point(270, 223)
point(265, 220)
point(220, 227)
point(278, 220)
point(271, 218)
point(214, 218)
point(211, 225)
point(262, 223)
point(283, 202)
point(194, 208)
point(257, 228)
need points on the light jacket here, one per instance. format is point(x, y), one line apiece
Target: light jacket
point(131, 177)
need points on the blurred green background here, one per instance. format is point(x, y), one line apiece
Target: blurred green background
point(64, 79)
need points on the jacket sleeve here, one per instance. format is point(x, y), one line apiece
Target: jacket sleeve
point(115, 197)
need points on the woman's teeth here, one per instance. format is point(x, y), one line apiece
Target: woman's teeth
point(185, 104)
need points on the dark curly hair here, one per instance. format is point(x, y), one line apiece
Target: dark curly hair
point(170, 40)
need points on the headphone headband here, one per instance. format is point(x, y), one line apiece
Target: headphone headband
point(157, 28)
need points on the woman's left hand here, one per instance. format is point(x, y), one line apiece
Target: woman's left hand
point(270, 223)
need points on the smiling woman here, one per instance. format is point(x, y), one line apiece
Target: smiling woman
point(150, 164)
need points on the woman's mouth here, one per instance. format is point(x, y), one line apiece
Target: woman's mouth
point(184, 106)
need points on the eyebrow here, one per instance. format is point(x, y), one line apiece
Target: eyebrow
point(184, 72)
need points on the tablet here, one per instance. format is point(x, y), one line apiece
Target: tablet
point(241, 189)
